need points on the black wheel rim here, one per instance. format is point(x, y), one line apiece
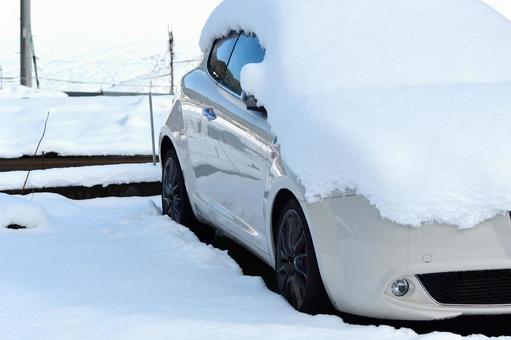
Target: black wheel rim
point(292, 258)
point(171, 194)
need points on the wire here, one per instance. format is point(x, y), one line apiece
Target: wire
point(122, 83)
point(134, 82)
point(35, 153)
point(74, 81)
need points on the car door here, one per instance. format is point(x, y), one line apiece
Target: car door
point(237, 145)
point(198, 92)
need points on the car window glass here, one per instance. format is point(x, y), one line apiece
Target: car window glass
point(247, 51)
point(220, 54)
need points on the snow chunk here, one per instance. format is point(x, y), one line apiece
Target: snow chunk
point(19, 211)
point(411, 112)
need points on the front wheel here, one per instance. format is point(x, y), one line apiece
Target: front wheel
point(298, 277)
point(175, 203)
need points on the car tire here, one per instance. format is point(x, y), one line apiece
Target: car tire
point(297, 272)
point(175, 202)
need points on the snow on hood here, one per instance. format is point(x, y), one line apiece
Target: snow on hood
point(20, 211)
point(406, 101)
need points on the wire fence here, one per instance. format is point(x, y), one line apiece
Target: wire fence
point(140, 83)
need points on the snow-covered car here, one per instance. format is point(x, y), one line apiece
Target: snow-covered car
point(368, 178)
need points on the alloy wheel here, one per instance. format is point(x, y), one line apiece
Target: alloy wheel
point(171, 194)
point(292, 258)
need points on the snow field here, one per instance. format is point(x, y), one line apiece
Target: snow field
point(115, 268)
point(112, 45)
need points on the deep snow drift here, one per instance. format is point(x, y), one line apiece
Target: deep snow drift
point(77, 126)
point(407, 101)
point(116, 269)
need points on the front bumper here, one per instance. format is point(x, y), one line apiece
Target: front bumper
point(360, 255)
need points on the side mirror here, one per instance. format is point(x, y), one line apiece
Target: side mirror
point(251, 103)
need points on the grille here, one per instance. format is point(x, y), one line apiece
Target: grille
point(483, 287)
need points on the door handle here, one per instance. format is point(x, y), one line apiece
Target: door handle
point(209, 113)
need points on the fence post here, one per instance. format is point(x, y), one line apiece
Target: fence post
point(152, 121)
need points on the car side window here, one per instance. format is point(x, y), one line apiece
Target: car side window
point(220, 54)
point(247, 51)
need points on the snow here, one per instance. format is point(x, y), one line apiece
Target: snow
point(18, 91)
point(77, 126)
point(413, 113)
point(87, 176)
point(503, 6)
point(115, 268)
point(111, 45)
point(21, 212)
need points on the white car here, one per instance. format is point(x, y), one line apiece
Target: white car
point(222, 166)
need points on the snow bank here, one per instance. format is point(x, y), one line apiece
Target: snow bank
point(19, 211)
point(406, 101)
point(82, 126)
point(86, 176)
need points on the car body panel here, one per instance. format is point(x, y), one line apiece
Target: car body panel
point(360, 254)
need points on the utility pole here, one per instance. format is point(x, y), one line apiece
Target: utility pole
point(171, 49)
point(25, 48)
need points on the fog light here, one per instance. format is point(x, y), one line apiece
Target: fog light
point(400, 287)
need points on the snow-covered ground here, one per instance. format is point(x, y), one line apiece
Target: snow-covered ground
point(86, 176)
point(77, 125)
point(115, 268)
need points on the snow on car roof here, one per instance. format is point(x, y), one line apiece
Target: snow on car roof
point(406, 101)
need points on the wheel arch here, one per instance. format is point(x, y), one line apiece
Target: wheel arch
point(280, 200)
point(165, 146)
